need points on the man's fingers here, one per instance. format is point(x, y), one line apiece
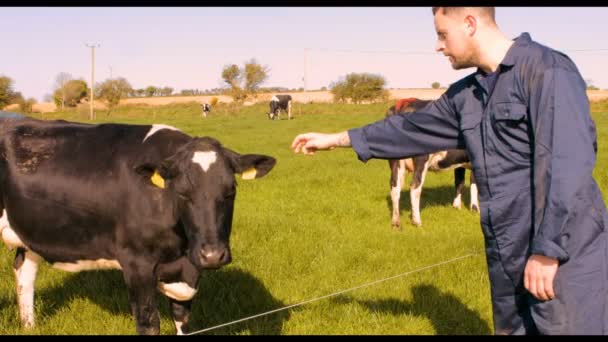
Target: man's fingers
point(540, 290)
point(297, 141)
point(550, 293)
point(532, 286)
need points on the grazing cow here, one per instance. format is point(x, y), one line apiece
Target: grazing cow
point(206, 109)
point(147, 199)
point(278, 103)
point(419, 165)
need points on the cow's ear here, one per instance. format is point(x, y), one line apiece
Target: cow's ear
point(155, 173)
point(250, 166)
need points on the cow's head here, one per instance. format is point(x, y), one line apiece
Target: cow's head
point(201, 175)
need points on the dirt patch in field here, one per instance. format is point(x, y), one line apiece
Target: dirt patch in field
point(302, 97)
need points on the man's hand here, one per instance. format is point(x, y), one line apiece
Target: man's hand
point(539, 276)
point(309, 143)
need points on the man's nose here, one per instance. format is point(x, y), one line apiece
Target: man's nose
point(439, 46)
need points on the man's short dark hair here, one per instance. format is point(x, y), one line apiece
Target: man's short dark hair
point(487, 12)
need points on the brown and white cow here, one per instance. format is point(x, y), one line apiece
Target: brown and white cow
point(419, 166)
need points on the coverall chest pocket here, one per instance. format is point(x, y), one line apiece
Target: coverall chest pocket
point(509, 122)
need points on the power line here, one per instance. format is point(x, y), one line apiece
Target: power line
point(397, 52)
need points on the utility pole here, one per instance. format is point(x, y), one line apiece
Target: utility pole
point(110, 72)
point(92, 46)
point(305, 69)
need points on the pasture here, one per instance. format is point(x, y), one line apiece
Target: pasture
point(315, 226)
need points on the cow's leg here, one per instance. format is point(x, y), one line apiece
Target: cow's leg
point(289, 110)
point(474, 198)
point(397, 177)
point(458, 186)
point(25, 267)
point(420, 170)
point(141, 283)
point(180, 311)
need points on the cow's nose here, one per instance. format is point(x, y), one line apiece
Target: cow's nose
point(213, 257)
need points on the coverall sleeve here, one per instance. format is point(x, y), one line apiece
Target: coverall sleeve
point(433, 128)
point(564, 156)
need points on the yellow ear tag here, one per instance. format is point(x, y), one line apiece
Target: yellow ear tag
point(158, 180)
point(249, 173)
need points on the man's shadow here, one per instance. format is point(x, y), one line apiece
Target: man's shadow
point(447, 313)
point(223, 296)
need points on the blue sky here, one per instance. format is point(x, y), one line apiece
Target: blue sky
point(187, 47)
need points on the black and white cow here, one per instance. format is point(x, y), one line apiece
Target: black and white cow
point(147, 199)
point(206, 109)
point(278, 103)
point(419, 166)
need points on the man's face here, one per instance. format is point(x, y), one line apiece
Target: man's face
point(453, 39)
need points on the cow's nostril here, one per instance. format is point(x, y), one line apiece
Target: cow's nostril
point(215, 257)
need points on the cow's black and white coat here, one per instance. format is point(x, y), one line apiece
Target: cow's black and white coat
point(278, 103)
point(206, 109)
point(146, 199)
point(419, 166)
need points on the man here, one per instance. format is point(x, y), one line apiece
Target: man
point(524, 119)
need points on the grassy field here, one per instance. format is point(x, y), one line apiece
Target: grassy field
point(315, 226)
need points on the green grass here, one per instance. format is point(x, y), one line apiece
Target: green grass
point(314, 226)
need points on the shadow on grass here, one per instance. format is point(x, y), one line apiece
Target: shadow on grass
point(223, 296)
point(446, 312)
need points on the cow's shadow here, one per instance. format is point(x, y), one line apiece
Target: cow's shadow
point(223, 295)
point(448, 315)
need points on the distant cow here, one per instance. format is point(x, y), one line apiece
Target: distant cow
point(278, 103)
point(419, 165)
point(147, 199)
point(206, 109)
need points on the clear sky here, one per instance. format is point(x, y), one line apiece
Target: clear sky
point(187, 47)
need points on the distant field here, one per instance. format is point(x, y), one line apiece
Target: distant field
point(313, 227)
point(303, 97)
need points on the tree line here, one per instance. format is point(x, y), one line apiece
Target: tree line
point(240, 82)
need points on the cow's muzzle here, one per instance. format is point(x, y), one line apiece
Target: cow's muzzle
point(214, 256)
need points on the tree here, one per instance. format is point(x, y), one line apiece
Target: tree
point(61, 81)
point(359, 87)
point(26, 106)
point(72, 92)
point(255, 74)
point(590, 85)
point(166, 91)
point(112, 90)
point(6, 91)
point(435, 85)
point(151, 91)
point(252, 75)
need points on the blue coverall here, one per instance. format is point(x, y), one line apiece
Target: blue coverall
point(533, 146)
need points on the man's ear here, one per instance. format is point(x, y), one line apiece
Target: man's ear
point(250, 166)
point(471, 24)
